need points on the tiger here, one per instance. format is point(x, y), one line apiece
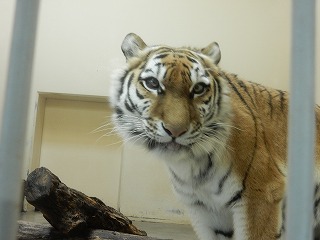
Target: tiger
point(223, 139)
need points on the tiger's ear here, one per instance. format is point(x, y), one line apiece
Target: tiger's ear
point(212, 51)
point(132, 45)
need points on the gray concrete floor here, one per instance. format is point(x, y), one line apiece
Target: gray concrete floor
point(156, 230)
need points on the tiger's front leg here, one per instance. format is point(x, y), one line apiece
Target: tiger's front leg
point(211, 224)
point(259, 219)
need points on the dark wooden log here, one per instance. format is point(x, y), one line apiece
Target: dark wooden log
point(70, 211)
point(37, 231)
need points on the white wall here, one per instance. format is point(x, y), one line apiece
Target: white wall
point(78, 42)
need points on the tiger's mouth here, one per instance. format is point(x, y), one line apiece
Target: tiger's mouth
point(171, 146)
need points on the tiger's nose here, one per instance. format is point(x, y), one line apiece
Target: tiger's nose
point(174, 131)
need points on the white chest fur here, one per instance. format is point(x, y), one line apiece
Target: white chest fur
point(207, 186)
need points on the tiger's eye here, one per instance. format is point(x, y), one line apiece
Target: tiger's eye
point(199, 88)
point(152, 83)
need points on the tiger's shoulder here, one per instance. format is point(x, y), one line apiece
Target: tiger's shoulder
point(256, 97)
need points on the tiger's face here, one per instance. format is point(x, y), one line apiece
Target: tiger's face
point(170, 99)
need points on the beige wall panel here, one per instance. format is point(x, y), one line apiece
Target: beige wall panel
point(80, 158)
point(145, 190)
point(78, 42)
point(6, 24)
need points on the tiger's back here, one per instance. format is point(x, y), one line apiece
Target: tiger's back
point(223, 139)
point(262, 163)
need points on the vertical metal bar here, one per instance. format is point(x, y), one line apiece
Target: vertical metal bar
point(301, 143)
point(15, 110)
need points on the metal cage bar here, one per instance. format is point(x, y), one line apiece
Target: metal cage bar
point(301, 142)
point(14, 118)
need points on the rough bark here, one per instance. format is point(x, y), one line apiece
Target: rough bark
point(70, 211)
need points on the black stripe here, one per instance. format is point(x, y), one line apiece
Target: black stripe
point(158, 65)
point(160, 91)
point(223, 180)
point(270, 103)
point(219, 91)
point(279, 235)
point(210, 116)
point(227, 234)
point(262, 88)
point(186, 73)
point(197, 71)
point(161, 56)
point(207, 101)
point(148, 70)
point(205, 173)
point(175, 176)
point(191, 59)
point(135, 132)
point(243, 101)
point(128, 107)
point(132, 105)
point(235, 198)
point(255, 137)
point(169, 72)
point(316, 189)
point(218, 95)
point(199, 203)
point(148, 129)
point(196, 129)
point(283, 214)
point(142, 66)
point(139, 95)
point(122, 79)
point(144, 108)
point(165, 73)
point(202, 110)
point(185, 65)
point(151, 144)
point(214, 126)
point(163, 50)
point(281, 100)
point(119, 112)
point(253, 85)
point(239, 95)
point(244, 87)
point(283, 218)
point(316, 205)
